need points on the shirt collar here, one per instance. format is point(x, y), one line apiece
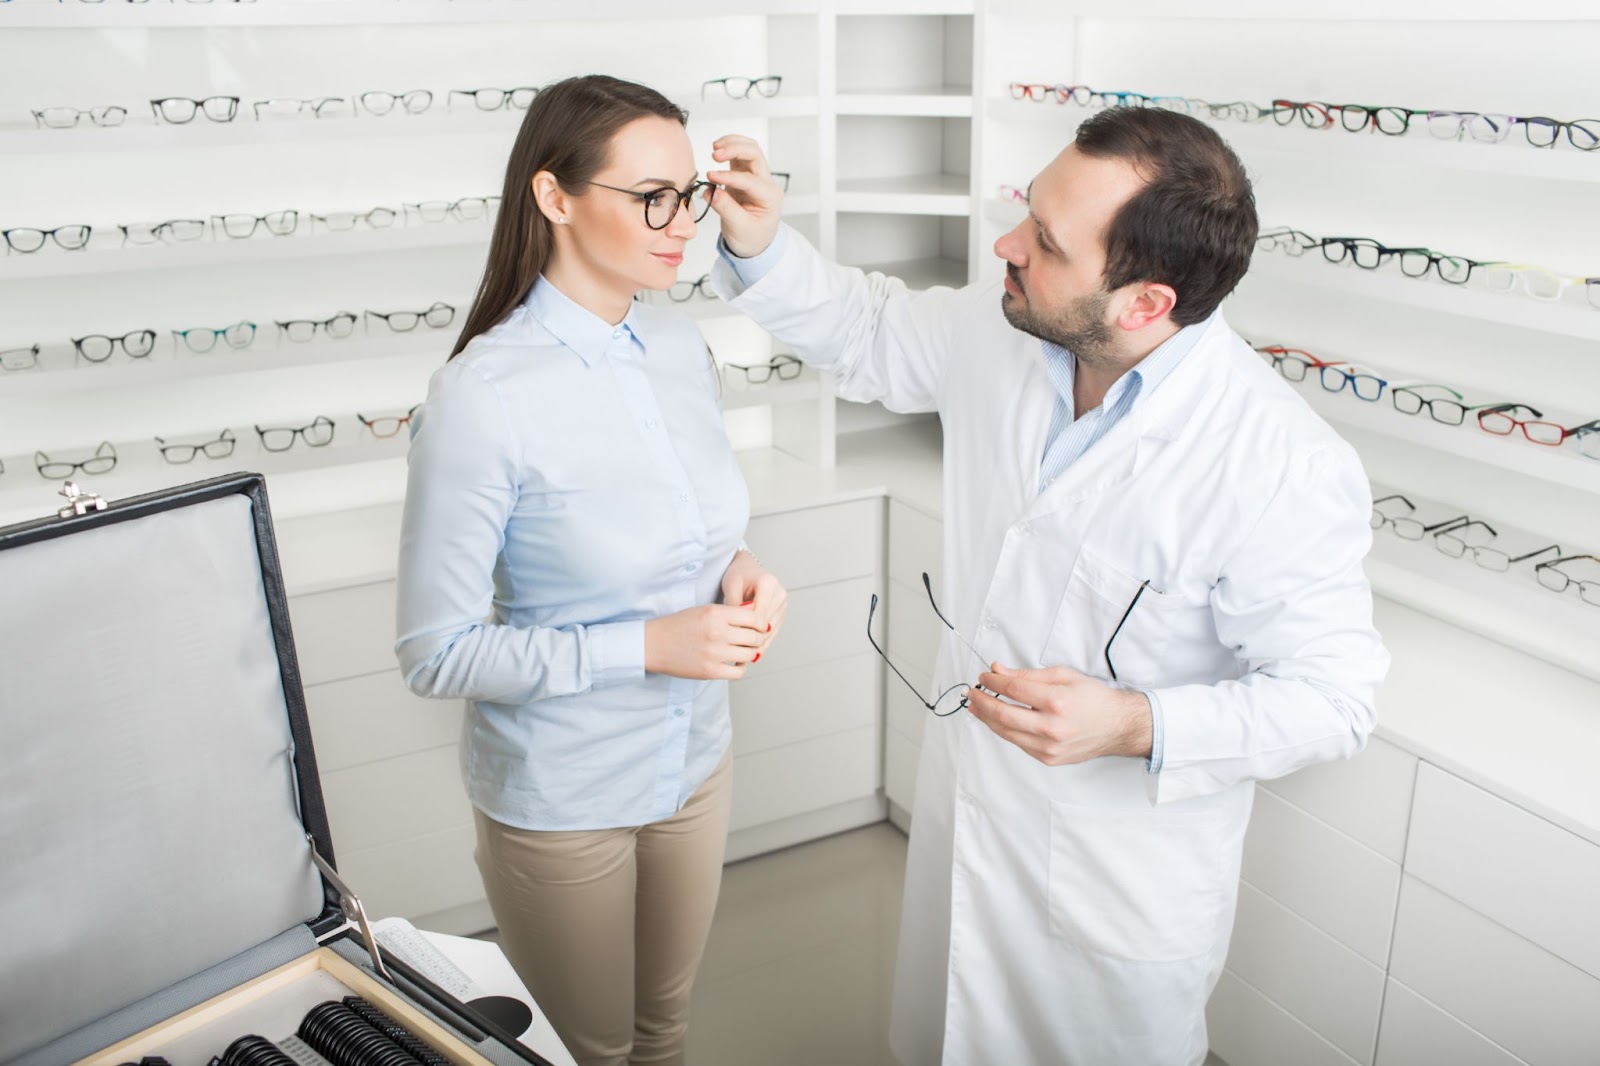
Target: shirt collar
point(1144, 377)
point(577, 327)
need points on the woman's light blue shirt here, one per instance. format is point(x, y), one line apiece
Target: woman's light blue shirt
point(568, 480)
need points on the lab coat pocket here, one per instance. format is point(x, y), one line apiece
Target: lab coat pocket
point(1144, 884)
point(1164, 631)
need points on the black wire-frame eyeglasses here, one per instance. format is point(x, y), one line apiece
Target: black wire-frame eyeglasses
point(959, 691)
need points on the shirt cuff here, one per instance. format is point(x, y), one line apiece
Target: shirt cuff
point(616, 652)
point(751, 270)
point(1157, 735)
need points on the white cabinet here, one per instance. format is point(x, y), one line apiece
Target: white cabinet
point(1535, 1005)
point(1476, 948)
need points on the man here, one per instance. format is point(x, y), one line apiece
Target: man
point(1155, 545)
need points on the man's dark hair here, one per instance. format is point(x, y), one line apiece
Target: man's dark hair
point(1193, 225)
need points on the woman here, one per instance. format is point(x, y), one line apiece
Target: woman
point(573, 517)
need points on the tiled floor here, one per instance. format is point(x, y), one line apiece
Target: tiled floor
point(801, 959)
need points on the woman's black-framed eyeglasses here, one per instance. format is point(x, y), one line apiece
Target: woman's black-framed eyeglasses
point(661, 205)
point(952, 699)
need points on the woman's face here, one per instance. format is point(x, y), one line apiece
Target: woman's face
point(611, 240)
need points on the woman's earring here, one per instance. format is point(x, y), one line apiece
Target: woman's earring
point(562, 219)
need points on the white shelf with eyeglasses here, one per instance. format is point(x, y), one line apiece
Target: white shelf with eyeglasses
point(308, 239)
point(22, 135)
point(1570, 316)
point(62, 14)
point(1511, 157)
point(57, 370)
point(1383, 11)
point(1509, 606)
point(305, 237)
point(1567, 465)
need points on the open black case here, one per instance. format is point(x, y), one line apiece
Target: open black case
point(166, 870)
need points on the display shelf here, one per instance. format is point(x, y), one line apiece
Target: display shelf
point(65, 377)
point(49, 15)
point(1387, 284)
point(337, 476)
point(941, 102)
point(106, 255)
point(1511, 607)
point(1510, 158)
point(924, 273)
point(1564, 466)
point(109, 257)
point(1355, 10)
point(924, 194)
point(141, 134)
point(804, 388)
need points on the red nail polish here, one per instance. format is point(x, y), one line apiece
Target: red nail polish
point(757, 658)
point(769, 627)
point(747, 603)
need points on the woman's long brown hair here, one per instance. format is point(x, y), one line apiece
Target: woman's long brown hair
point(567, 131)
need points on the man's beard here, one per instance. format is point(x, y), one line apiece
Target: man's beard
point(1080, 327)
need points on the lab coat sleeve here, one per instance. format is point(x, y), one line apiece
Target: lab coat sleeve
point(875, 337)
point(461, 487)
point(1294, 603)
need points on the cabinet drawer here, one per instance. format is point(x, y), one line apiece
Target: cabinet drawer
point(805, 777)
point(382, 802)
point(1306, 972)
point(344, 633)
point(913, 629)
point(900, 758)
point(417, 876)
point(1339, 885)
point(784, 706)
point(1367, 797)
point(1248, 1029)
point(1539, 1008)
point(365, 719)
point(1416, 1033)
point(823, 623)
point(916, 545)
point(1532, 876)
point(815, 545)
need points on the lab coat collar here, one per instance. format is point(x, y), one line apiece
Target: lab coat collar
point(1158, 419)
point(577, 327)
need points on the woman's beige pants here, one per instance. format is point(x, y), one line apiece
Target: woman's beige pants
point(607, 927)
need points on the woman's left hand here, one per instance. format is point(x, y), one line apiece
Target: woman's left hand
point(746, 582)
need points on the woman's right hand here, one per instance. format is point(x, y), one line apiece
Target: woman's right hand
point(711, 643)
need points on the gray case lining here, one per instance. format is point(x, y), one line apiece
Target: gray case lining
point(148, 821)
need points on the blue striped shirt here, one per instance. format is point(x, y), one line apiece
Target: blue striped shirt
point(1071, 437)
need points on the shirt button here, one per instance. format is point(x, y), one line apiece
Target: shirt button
point(650, 423)
point(988, 623)
point(690, 568)
point(677, 712)
point(617, 336)
point(683, 497)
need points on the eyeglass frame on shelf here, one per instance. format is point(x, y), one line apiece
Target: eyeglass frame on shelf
point(753, 86)
point(1567, 580)
point(168, 451)
point(41, 461)
point(775, 367)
